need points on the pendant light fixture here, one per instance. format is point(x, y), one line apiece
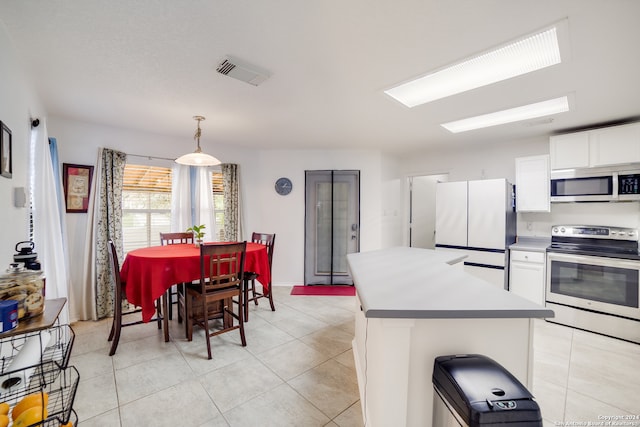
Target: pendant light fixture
point(198, 158)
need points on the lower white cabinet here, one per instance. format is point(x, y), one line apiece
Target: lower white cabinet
point(527, 275)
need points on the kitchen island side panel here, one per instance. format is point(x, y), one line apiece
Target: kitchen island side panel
point(394, 360)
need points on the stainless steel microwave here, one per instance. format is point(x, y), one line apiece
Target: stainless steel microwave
point(595, 185)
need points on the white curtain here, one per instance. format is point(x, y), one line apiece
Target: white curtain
point(181, 212)
point(204, 203)
point(87, 298)
point(192, 199)
point(48, 236)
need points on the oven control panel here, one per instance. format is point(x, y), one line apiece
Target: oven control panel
point(594, 232)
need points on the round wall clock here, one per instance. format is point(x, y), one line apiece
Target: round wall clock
point(283, 186)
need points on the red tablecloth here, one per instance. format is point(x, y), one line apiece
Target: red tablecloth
point(149, 272)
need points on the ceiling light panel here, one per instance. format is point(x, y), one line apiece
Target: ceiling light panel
point(527, 54)
point(525, 112)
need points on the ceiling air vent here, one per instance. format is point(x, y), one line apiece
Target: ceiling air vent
point(238, 69)
point(539, 122)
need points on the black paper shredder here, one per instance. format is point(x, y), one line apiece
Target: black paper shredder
point(474, 390)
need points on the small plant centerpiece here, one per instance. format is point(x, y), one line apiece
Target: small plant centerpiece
point(198, 233)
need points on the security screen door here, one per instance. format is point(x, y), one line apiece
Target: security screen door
point(332, 225)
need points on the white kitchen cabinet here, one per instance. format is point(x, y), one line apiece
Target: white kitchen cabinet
point(569, 151)
point(532, 184)
point(615, 145)
point(527, 275)
point(610, 146)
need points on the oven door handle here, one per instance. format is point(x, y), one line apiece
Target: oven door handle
point(593, 260)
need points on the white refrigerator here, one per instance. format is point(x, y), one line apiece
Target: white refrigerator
point(478, 218)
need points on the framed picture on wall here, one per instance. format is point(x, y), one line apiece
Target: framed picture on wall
point(77, 184)
point(6, 162)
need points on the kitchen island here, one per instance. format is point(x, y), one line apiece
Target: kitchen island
point(415, 305)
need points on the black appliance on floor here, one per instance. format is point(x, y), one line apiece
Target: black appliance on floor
point(474, 390)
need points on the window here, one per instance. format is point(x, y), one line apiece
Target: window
point(218, 203)
point(146, 205)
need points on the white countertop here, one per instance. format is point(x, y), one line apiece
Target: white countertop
point(531, 244)
point(415, 283)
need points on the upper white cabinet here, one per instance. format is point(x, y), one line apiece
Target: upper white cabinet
point(532, 184)
point(569, 151)
point(615, 145)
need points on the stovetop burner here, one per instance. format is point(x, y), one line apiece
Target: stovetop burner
point(612, 242)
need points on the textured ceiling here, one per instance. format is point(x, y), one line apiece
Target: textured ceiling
point(150, 65)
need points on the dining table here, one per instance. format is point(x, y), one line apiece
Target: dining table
point(149, 272)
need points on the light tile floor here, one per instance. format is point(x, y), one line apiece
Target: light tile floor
point(298, 370)
point(582, 378)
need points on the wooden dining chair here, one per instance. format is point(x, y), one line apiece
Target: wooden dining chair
point(250, 277)
point(178, 238)
point(120, 296)
point(177, 289)
point(221, 273)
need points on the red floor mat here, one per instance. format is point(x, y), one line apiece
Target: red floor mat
point(335, 290)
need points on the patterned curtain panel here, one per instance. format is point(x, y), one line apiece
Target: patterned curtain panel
point(231, 202)
point(108, 225)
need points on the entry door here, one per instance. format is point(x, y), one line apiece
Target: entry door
point(332, 225)
point(422, 211)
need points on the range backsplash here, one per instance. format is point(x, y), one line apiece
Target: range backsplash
point(620, 214)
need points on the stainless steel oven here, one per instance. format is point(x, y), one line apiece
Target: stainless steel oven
point(593, 279)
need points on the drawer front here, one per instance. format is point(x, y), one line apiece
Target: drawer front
point(524, 256)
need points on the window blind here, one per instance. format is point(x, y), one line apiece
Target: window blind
point(158, 179)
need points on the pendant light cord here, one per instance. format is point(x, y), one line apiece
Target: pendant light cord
point(198, 133)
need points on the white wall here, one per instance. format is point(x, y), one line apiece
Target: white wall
point(469, 163)
point(498, 161)
point(391, 199)
point(264, 210)
point(621, 214)
point(285, 215)
point(18, 104)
